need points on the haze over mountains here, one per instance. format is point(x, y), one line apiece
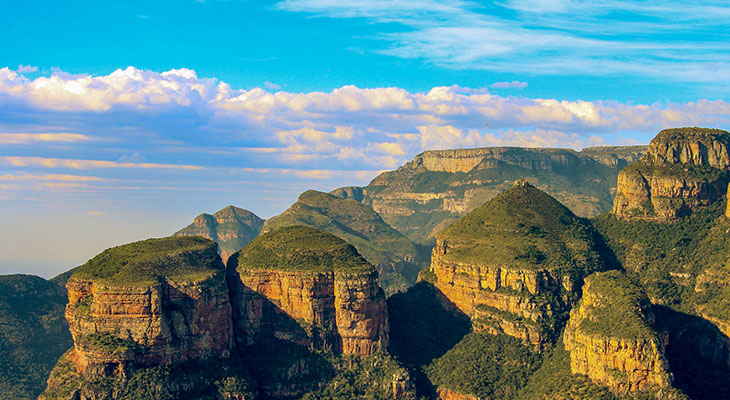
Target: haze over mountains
point(523, 297)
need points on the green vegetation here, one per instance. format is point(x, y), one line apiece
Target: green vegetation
point(144, 263)
point(301, 248)
point(484, 365)
point(33, 333)
point(384, 247)
point(524, 227)
point(354, 377)
point(619, 309)
point(700, 173)
point(554, 380)
point(197, 380)
point(667, 258)
point(111, 345)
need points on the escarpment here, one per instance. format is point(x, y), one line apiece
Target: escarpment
point(684, 169)
point(232, 228)
point(150, 302)
point(611, 339)
point(515, 264)
point(437, 187)
point(396, 258)
point(304, 285)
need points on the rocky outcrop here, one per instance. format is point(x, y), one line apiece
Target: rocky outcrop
point(147, 303)
point(426, 194)
point(684, 169)
point(446, 394)
point(232, 228)
point(513, 264)
point(396, 258)
point(307, 286)
point(611, 339)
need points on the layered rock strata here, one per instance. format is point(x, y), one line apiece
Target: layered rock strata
point(611, 339)
point(437, 187)
point(683, 170)
point(232, 228)
point(146, 303)
point(514, 264)
point(307, 286)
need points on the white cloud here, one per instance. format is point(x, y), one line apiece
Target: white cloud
point(24, 69)
point(349, 128)
point(48, 162)
point(509, 85)
point(553, 37)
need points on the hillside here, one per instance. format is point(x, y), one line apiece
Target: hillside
point(33, 332)
point(516, 264)
point(397, 259)
point(437, 187)
point(232, 228)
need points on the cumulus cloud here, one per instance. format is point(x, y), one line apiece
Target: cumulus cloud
point(205, 123)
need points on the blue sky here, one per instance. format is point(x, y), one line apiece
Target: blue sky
point(123, 120)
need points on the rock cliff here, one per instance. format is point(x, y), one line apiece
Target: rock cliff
point(232, 228)
point(683, 170)
point(396, 258)
point(437, 187)
point(304, 285)
point(515, 264)
point(611, 339)
point(145, 303)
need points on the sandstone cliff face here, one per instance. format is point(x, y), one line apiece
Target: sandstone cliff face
point(504, 265)
point(327, 310)
point(232, 228)
point(117, 326)
point(610, 337)
point(683, 170)
point(330, 308)
point(499, 299)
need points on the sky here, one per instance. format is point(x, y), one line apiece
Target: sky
point(121, 121)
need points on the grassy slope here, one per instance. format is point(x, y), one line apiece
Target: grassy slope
point(143, 263)
point(301, 248)
point(524, 227)
point(352, 221)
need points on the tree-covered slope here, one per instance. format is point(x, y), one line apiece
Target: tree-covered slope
point(33, 334)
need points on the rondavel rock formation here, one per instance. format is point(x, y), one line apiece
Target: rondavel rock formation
point(304, 285)
point(231, 227)
point(167, 301)
point(146, 303)
point(396, 258)
point(683, 170)
point(516, 264)
point(611, 337)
